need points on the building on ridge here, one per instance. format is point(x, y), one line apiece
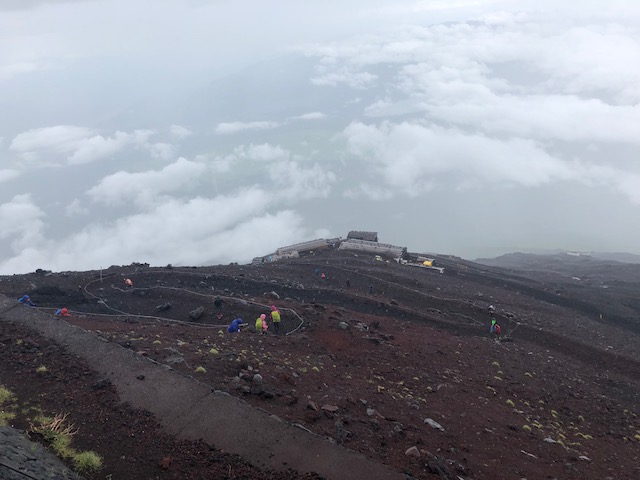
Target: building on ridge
point(368, 236)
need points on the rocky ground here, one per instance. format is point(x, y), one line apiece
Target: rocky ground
point(389, 360)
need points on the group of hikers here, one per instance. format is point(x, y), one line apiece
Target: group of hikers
point(494, 330)
point(261, 324)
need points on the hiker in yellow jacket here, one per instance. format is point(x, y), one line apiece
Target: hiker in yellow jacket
point(275, 318)
point(261, 324)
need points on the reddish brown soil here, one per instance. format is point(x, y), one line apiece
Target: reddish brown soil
point(416, 348)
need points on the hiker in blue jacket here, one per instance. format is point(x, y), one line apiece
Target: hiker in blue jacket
point(234, 327)
point(26, 300)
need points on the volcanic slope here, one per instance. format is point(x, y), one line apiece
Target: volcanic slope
point(390, 360)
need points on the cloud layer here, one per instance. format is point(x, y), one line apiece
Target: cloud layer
point(125, 144)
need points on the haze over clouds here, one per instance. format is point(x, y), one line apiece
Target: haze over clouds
point(190, 132)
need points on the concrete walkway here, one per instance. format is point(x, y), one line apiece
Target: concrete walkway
point(22, 459)
point(190, 410)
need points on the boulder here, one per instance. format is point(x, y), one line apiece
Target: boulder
point(197, 313)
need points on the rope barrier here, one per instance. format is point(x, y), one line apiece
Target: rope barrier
point(120, 313)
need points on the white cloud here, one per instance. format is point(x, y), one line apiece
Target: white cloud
point(160, 150)
point(15, 69)
point(310, 116)
point(192, 232)
point(26, 4)
point(7, 174)
point(78, 145)
point(230, 128)
point(522, 75)
point(264, 152)
point(566, 117)
point(22, 221)
point(180, 132)
point(350, 78)
point(76, 208)
point(412, 159)
point(143, 188)
point(370, 190)
point(97, 147)
point(58, 139)
point(292, 180)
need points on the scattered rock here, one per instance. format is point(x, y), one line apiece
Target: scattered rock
point(330, 408)
point(311, 405)
point(433, 424)
point(343, 325)
point(257, 379)
point(174, 360)
point(549, 440)
point(271, 294)
point(289, 400)
point(257, 390)
point(102, 383)
point(413, 451)
point(163, 307)
point(312, 415)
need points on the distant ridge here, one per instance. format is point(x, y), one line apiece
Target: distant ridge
point(520, 260)
point(617, 257)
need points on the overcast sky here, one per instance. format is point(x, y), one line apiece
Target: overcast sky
point(198, 132)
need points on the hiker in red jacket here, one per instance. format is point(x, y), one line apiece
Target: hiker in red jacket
point(497, 331)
